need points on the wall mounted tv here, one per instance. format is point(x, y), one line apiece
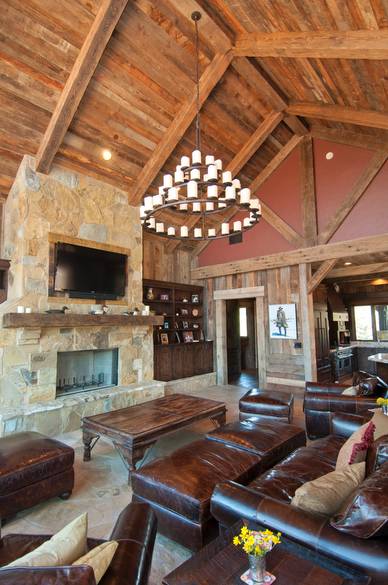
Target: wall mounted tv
point(89, 273)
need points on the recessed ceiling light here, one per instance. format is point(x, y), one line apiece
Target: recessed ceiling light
point(347, 263)
point(329, 155)
point(106, 154)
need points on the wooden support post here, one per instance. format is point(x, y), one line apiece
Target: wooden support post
point(307, 319)
point(308, 199)
point(261, 340)
point(221, 343)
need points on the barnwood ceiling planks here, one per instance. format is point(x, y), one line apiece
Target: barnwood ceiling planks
point(77, 82)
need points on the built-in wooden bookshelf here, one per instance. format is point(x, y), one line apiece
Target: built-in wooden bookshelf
point(181, 306)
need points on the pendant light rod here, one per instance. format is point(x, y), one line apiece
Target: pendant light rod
point(196, 16)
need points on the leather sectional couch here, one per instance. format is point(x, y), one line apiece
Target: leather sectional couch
point(266, 501)
point(135, 531)
point(321, 402)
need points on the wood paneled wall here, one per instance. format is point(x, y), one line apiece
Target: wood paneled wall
point(281, 285)
point(160, 264)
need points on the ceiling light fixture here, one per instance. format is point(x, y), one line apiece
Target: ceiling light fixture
point(106, 154)
point(329, 155)
point(199, 186)
point(347, 263)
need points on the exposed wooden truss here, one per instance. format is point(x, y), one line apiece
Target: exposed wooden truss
point(357, 271)
point(353, 197)
point(349, 138)
point(320, 274)
point(346, 115)
point(308, 199)
point(337, 250)
point(349, 44)
point(78, 80)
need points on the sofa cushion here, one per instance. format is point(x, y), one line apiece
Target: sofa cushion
point(184, 480)
point(365, 514)
point(63, 548)
point(305, 464)
point(380, 420)
point(326, 494)
point(271, 440)
point(355, 448)
point(27, 458)
point(275, 403)
point(99, 558)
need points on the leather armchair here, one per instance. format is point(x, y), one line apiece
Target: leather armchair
point(321, 402)
point(135, 531)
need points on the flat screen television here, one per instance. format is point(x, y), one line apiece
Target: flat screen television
point(89, 273)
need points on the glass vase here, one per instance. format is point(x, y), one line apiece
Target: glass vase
point(384, 408)
point(257, 568)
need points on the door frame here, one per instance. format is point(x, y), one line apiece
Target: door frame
point(220, 297)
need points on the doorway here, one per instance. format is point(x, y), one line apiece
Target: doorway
point(241, 342)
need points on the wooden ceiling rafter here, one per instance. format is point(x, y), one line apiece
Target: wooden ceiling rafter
point(85, 64)
point(342, 114)
point(353, 197)
point(346, 44)
point(358, 271)
point(348, 138)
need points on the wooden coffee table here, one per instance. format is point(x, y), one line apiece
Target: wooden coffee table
point(223, 563)
point(136, 428)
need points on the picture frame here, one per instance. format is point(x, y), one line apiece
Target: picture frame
point(164, 297)
point(195, 298)
point(164, 338)
point(185, 324)
point(282, 321)
point(184, 312)
point(188, 336)
point(166, 325)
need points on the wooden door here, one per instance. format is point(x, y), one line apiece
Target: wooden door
point(233, 338)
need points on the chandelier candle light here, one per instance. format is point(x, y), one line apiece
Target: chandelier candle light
point(199, 187)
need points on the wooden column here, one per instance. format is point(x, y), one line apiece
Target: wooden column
point(261, 340)
point(221, 343)
point(307, 319)
point(309, 205)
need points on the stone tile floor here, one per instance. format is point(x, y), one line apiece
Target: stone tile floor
point(102, 490)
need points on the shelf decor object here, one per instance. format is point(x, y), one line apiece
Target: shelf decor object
point(199, 186)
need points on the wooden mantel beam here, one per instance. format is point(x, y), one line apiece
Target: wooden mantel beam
point(343, 114)
point(351, 44)
point(348, 248)
point(88, 58)
point(320, 274)
point(182, 121)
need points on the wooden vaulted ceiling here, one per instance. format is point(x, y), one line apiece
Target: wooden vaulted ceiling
point(271, 73)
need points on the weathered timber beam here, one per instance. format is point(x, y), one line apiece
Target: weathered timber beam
point(348, 248)
point(320, 274)
point(343, 114)
point(355, 44)
point(87, 60)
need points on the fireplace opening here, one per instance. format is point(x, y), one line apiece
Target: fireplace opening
point(85, 370)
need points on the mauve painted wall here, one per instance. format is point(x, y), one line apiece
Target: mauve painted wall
point(334, 180)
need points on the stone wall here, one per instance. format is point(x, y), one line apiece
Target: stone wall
point(71, 205)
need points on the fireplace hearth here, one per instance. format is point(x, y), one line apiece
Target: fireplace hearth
point(85, 370)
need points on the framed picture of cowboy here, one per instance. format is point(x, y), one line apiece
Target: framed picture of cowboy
point(282, 321)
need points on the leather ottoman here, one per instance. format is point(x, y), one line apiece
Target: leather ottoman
point(33, 468)
point(266, 405)
point(180, 485)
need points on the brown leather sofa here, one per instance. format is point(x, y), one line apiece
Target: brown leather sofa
point(266, 502)
point(135, 530)
point(321, 402)
point(179, 486)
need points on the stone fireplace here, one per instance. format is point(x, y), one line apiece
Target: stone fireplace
point(37, 390)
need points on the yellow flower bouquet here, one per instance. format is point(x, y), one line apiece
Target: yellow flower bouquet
point(256, 543)
point(383, 402)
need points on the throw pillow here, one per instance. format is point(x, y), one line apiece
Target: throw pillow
point(367, 386)
point(326, 494)
point(355, 448)
point(99, 558)
point(365, 513)
point(380, 421)
point(351, 391)
point(63, 548)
